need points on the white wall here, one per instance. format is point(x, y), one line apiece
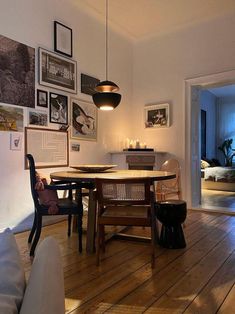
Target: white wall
point(208, 103)
point(225, 122)
point(31, 22)
point(162, 64)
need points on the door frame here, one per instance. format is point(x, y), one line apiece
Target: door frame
point(192, 136)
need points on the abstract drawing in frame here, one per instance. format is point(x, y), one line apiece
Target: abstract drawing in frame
point(83, 120)
point(17, 68)
point(57, 71)
point(58, 108)
point(42, 98)
point(157, 116)
point(63, 39)
point(51, 149)
point(16, 141)
point(88, 84)
point(11, 118)
point(39, 118)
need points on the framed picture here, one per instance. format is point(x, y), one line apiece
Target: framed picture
point(57, 72)
point(83, 120)
point(63, 39)
point(157, 116)
point(17, 68)
point(42, 98)
point(58, 108)
point(75, 147)
point(16, 141)
point(38, 118)
point(51, 149)
point(88, 84)
point(11, 118)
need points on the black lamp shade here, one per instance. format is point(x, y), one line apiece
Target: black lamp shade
point(106, 101)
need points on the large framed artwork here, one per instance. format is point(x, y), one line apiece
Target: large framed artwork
point(57, 71)
point(48, 147)
point(63, 39)
point(83, 120)
point(17, 69)
point(58, 108)
point(157, 116)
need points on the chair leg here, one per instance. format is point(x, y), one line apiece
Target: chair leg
point(80, 233)
point(37, 234)
point(98, 245)
point(102, 231)
point(153, 241)
point(69, 225)
point(30, 238)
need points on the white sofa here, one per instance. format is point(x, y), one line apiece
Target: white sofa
point(44, 292)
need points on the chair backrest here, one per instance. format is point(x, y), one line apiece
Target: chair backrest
point(134, 191)
point(171, 165)
point(32, 172)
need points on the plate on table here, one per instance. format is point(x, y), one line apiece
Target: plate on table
point(93, 168)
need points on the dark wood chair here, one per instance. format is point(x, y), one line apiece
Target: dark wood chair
point(124, 202)
point(66, 206)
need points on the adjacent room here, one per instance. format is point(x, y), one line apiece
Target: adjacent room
point(117, 132)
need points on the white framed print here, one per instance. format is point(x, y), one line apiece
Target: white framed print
point(157, 116)
point(16, 141)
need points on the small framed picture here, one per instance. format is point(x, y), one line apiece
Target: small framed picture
point(88, 84)
point(63, 39)
point(75, 147)
point(39, 118)
point(58, 108)
point(42, 98)
point(157, 116)
point(15, 141)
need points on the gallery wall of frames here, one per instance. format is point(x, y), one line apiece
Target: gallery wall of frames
point(54, 104)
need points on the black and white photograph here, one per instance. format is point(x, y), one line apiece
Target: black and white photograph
point(75, 147)
point(38, 118)
point(157, 116)
point(17, 68)
point(42, 98)
point(88, 84)
point(83, 120)
point(63, 39)
point(57, 71)
point(58, 108)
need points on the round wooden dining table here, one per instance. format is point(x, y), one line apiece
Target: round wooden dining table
point(80, 176)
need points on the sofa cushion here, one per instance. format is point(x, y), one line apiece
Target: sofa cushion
point(12, 279)
point(45, 290)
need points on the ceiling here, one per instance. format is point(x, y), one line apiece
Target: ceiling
point(228, 90)
point(139, 19)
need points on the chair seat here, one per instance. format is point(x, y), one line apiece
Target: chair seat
point(64, 205)
point(126, 211)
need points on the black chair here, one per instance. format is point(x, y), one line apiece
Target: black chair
point(66, 206)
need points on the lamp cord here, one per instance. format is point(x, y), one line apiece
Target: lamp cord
point(106, 41)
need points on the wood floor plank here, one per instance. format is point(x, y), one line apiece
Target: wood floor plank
point(197, 279)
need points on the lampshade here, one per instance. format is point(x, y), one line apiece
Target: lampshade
point(106, 86)
point(107, 100)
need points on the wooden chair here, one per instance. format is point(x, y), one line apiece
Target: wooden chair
point(66, 206)
point(167, 188)
point(124, 202)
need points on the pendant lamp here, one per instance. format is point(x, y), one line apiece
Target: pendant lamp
point(105, 98)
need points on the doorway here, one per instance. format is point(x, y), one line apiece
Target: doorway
point(193, 88)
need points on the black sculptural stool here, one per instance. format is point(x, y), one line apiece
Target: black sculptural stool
point(171, 214)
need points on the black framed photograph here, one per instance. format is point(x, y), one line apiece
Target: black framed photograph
point(88, 84)
point(63, 39)
point(58, 108)
point(42, 98)
point(57, 72)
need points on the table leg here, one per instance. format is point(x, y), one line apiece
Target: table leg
point(91, 223)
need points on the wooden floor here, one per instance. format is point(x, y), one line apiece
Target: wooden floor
point(218, 200)
point(197, 279)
